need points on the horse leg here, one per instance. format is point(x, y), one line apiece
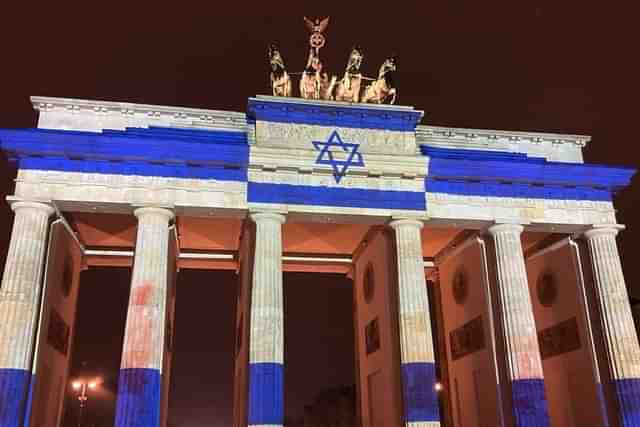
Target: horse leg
point(367, 93)
point(393, 93)
point(328, 95)
point(356, 90)
point(288, 87)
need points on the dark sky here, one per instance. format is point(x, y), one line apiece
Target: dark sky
point(558, 66)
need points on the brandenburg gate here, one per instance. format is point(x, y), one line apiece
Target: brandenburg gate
point(488, 289)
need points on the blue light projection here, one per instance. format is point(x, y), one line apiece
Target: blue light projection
point(326, 156)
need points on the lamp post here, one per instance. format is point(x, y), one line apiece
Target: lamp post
point(81, 386)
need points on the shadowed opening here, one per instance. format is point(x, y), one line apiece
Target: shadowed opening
point(97, 344)
point(319, 350)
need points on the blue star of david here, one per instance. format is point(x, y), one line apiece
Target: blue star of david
point(325, 157)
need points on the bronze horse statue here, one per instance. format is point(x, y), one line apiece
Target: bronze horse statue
point(382, 90)
point(348, 88)
point(315, 83)
point(280, 80)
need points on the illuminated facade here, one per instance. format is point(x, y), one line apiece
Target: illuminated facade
point(487, 282)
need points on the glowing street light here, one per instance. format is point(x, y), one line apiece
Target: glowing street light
point(438, 387)
point(81, 385)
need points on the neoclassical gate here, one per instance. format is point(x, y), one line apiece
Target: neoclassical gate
point(487, 282)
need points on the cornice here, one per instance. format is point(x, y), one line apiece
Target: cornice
point(196, 117)
point(333, 113)
point(484, 138)
point(232, 119)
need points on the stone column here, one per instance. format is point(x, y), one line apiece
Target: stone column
point(416, 339)
point(523, 363)
point(623, 351)
point(139, 383)
point(20, 294)
point(266, 336)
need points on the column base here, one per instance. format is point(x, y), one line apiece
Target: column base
point(15, 392)
point(420, 394)
point(530, 407)
point(139, 393)
point(266, 390)
point(628, 394)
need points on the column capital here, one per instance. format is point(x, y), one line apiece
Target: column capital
point(38, 206)
point(155, 211)
point(505, 228)
point(603, 229)
point(402, 222)
point(267, 216)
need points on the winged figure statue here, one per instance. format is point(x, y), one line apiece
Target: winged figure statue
point(318, 26)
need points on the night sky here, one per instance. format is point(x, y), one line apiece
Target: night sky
point(568, 66)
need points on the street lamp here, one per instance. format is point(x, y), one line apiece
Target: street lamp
point(81, 386)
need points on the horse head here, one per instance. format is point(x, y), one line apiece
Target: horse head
point(275, 60)
point(388, 66)
point(355, 60)
point(280, 81)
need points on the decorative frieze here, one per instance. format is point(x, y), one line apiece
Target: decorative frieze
point(377, 141)
point(58, 332)
point(467, 339)
point(560, 338)
point(115, 192)
point(524, 210)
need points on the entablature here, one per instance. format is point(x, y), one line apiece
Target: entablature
point(307, 157)
point(551, 146)
point(95, 116)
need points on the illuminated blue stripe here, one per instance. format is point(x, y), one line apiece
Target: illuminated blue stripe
point(147, 152)
point(530, 407)
point(603, 405)
point(139, 393)
point(27, 412)
point(628, 394)
point(496, 165)
point(419, 393)
point(334, 115)
point(330, 196)
point(14, 393)
point(502, 174)
point(266, 393)
point(516, 190)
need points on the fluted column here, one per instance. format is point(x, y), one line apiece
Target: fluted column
point(416, 338)
point(139, 384)
point(623, 351)
point(523, 362)
point(266, 336)
point(19, 306)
